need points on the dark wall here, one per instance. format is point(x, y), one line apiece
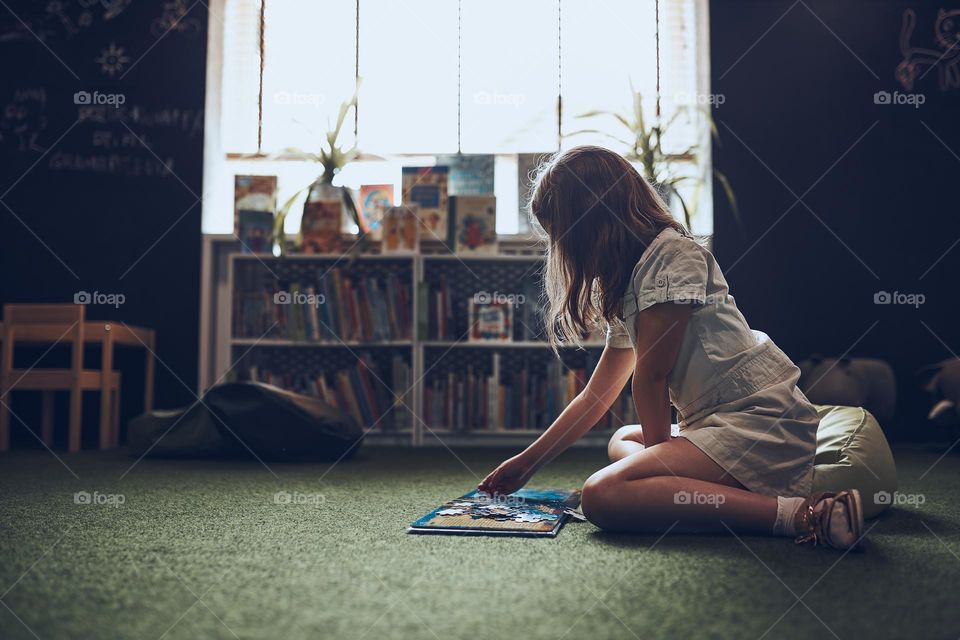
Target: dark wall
point(875, 214)
point(101, 198)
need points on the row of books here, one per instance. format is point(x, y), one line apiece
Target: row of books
point(503, 400)
point(358, 391)
point(338, 307)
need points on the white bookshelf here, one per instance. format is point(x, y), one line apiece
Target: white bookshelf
point(226, 348)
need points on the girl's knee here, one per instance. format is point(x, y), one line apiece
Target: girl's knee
point(632, 432)
point(598, 498)
point(624, 441)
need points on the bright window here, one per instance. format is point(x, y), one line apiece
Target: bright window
point(481, 76)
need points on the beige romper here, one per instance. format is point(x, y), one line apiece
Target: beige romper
point(735, 390)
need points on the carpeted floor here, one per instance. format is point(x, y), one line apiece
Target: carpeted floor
point(201, 550)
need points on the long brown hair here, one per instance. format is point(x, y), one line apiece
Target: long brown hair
point(599, 215)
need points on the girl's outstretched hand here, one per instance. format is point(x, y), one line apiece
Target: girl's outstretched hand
point(511, 475)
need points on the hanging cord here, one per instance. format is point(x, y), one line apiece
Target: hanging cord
point(559, 77)
point(459, 86)
point(657, 27)
point(356, 74)
point(263, 10)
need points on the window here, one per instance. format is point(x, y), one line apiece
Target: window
point(481, 76)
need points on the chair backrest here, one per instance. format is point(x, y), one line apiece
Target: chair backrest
point(42, 324)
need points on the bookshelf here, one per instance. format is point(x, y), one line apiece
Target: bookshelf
point(372, 326)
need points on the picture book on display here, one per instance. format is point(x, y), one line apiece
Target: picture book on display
point(527, 164)
point(401, 230)
point(375, 199)
point(471, 174)
point(254, 201)
point(427, 188)
point(490, 320)
point(475, 224)
point(527, 512)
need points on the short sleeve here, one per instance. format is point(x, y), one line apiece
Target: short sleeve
point(675, 270)
point(617, 335)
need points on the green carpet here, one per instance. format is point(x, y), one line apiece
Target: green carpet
point(201, 550)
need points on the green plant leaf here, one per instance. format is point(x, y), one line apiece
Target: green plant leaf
point(731, 196)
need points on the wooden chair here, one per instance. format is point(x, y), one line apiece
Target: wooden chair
point(50, 324)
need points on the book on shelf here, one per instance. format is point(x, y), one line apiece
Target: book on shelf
point(427, 188)
point(375, 200)
point(254, 203)
point(340, 306)
point(527, 167)
point(470, 174)
point(255, 231)
point(528, 398)
point(359, 390)
point(401, 230)
point(475, 224)
point(489, 320)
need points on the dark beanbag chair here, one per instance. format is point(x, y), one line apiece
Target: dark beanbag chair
point(248, 419)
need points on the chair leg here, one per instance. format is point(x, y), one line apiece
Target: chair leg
point(115, 427)
point(46, 417)
point(4, 423)
point(76, 415)
point(106, 418)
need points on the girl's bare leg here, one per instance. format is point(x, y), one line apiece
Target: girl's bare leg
point(625, 441)
point(651, 489)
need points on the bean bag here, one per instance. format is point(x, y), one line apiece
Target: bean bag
point(852, 453)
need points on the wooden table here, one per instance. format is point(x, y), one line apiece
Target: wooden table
point(107, 333)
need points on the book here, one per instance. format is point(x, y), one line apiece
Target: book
point(527, 166)
point(527, 512)
point(470, 174)
point(489, 320)
point(401, 230)
point(335, 307)
point(255, 231)
point(322, 217)
point(253, 193)
point(475, 224)
point(375, 199)
point(427, 188)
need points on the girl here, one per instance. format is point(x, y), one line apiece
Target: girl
point(743, 459)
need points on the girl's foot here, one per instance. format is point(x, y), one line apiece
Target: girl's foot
point(832, 520)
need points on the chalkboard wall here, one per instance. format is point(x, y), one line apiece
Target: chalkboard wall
point(801, 118)
point(101, 154)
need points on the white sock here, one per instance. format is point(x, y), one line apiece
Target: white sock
point(787, 508)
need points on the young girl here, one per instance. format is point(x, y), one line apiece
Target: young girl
point(743, 459)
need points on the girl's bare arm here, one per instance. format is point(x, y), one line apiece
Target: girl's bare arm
point(660, 330)
point(583, 412)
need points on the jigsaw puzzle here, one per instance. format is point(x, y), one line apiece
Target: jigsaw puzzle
point(527, 512)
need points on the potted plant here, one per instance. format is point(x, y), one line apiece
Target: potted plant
point(644, 148)
point(333, 158)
